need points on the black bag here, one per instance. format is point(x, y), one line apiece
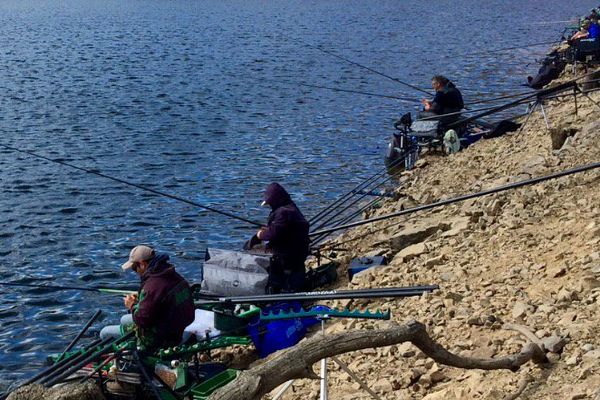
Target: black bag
point(501, 128)
point(551, 68)
point(321, 276)
point(587, 48)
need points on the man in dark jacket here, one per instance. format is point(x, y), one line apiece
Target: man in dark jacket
point(164, 306)
point(287, 236)
point(447, 100)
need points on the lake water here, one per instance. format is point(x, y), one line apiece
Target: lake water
point(201, 99)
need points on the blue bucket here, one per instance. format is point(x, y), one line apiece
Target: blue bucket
point(268, 337)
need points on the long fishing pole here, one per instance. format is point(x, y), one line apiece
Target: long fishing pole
point(457, 199)
point(524, 100)
point(66, 372)
point(354, 91)
point(147, 189)
point(511, 48)
point(494, 99)
point(482, 112)
point(80, 333)
point(326, 295)
point(554, 22)
point(515, 103)
point(358, 64)
point(79, 288)
point(198, 293)
point(360, 197)
point(315, 243)
point(539, 95)
point(352, 192)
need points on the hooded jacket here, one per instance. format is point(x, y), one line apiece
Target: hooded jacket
point(165, 306)
point(447, 100)
point(287, 229)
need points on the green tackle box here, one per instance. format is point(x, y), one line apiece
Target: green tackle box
point(203, 390)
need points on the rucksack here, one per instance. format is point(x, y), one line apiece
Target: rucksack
point(501, 128)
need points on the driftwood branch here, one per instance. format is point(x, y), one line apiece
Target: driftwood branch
point(297, 362)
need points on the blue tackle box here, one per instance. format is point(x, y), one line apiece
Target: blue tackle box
point(362, 263)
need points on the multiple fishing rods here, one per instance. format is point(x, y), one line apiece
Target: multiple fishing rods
point(320, 234)
point(209, 298)
point(503, 188)
point(343, 200)
point(78, 288)
point(512, 48)
point(132, 184)
point(352, 192)
point(359, 65)
point(325, 295)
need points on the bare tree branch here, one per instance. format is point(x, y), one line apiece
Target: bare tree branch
point(297, 362)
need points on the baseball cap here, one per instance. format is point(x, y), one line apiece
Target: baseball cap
point(137, 254)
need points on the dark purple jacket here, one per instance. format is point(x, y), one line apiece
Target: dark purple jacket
point(165, 306)
point(287, 229)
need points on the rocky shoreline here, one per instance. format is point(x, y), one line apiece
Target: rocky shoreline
point(527, 258)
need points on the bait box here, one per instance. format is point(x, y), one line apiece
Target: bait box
point(363, 263)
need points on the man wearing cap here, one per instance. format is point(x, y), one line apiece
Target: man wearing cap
point(287, 236)
point(583, 33)
point(164, 306)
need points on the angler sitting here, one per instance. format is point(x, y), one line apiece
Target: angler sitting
point(163, 306)
point(447, 100)
point(287, 236)
point(586, 42)
point(582, 33)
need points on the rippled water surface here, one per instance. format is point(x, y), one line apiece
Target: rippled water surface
point(201, 99)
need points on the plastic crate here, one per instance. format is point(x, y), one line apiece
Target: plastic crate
point(203, 390)
point(362, 263)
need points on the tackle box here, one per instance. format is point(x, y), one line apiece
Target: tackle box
point(363, 263)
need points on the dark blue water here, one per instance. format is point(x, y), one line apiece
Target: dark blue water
point(198, 98)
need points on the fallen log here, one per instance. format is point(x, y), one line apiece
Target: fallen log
point(297, 362)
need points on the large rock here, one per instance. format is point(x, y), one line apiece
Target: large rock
point(554, 344)
point(410, 252)
point(383, 386)
point(520, 310)
point(88, 391)
point(450, 393)
point(458, 226)
point(415, 234)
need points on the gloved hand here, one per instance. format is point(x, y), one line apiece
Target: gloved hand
point(254, 240)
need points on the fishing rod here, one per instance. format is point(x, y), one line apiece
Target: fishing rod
point(80, 334)
point(498, 189)
point(554, 22)
point(345, 220)
point(538, 95)
point(325, 295)
point(59, 364)
point(79, 288)
point(360, 197)
point(510, 48)
point(409, 99)
point(198, 293)
point(524, 100)
point(358, 65)
point(334, 245)
point(493, 99)
point(262, 82)
point(64, 373)
point(136, 185)
point(486, 111)
point(352, 192)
